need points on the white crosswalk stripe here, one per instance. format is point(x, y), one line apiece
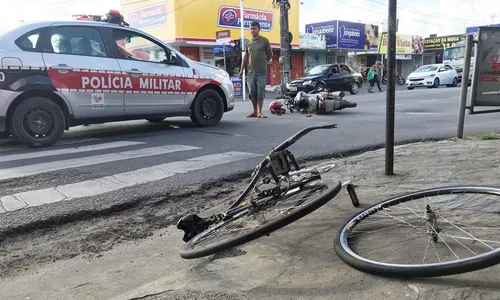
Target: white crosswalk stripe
point(105, 184)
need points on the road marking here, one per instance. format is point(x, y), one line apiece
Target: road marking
point(116, 182)
point(425, 101)
point(421, 113)
point(61, 143)
point(68, 150)
point(89, 160)
point(399, 104)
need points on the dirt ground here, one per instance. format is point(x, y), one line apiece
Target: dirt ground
point(134, 254)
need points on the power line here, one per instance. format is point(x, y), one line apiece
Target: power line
point(430, 15)
point(385, 13)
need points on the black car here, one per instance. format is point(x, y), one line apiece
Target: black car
point(331, 77)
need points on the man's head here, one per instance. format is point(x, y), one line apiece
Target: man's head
point(255, 29)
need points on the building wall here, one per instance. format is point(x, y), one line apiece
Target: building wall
point(198, 21)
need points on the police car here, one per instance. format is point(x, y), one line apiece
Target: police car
point(56, 75)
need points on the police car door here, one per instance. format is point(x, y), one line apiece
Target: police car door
point(157, 83)
point(81, 68)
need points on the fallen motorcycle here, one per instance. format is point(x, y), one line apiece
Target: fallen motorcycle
point(316, 102)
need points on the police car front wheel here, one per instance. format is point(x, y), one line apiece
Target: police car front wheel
point(37, 122)
point(207, 109)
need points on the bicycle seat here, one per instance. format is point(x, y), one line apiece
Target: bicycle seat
point(192, 225)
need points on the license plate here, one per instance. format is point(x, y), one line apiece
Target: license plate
point(292, 88)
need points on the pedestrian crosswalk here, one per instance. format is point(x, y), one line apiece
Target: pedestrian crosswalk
point(36, 162)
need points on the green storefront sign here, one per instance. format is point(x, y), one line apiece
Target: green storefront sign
point(441, 42)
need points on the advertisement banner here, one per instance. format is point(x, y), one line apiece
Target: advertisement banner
point(441, 42)
point(350, 35)
point(229, 16)
point(238, 85)
point(312, 41)
point(486, 77)
point(328, 29)
point(154, 15)
point(405, 44)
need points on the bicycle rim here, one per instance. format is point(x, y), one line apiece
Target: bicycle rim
point(435, 228)
point(287, 209)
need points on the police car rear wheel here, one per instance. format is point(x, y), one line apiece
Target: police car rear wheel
point(38, 122)
point(208, 108)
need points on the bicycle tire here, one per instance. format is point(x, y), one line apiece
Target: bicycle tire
point(333, 187)
point(414, 271)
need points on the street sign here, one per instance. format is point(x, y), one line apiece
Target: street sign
point(223, 36)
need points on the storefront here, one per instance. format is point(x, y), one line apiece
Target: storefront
point(314, 46)
point(409, 51)
point(191, 27)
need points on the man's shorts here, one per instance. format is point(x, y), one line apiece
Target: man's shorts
point(256, 83)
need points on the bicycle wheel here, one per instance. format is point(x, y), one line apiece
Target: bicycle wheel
point(251, 224)
point(429, 227)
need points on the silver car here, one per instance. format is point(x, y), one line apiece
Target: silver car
point(56, 75)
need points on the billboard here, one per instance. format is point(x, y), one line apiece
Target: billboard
point(441, 42)
point(357, 36)
point(486, 85)
point(312, 41)
point(405, 44)
point(346, 35)
point(328, 29)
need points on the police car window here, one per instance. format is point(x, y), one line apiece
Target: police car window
point(28, 42)
point(78, 40)
point(136, 47)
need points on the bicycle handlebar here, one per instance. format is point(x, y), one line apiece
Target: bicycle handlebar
point(291, 140)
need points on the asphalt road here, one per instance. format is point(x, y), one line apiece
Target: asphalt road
point(34, 177)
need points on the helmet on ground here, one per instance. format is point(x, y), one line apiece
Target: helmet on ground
point(276, 107)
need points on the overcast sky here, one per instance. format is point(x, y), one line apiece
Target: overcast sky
point(421, 17)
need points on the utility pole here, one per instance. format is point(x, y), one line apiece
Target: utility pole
point(285, 43)
point(242, 34)
point(391, 88)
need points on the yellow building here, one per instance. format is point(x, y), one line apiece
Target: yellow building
point(191, 26)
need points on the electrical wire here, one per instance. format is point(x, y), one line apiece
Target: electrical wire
point(430, 15)
point(385, 13)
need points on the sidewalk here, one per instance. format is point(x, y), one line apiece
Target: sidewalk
point(296, 262)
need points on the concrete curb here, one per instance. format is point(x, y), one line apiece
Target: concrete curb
point(31, 223)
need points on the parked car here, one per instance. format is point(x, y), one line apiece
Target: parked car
point(332, 77)
point(432, 76)
point(58, 74)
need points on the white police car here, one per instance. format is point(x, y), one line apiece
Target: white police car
point(56, 75)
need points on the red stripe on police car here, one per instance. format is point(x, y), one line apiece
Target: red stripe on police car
point(124, 82)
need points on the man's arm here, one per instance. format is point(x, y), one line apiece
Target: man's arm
point(269, 51)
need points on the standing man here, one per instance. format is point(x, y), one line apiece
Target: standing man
point(378, 74)
point(257, 54)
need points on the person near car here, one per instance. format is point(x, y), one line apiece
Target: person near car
point(255, 60)
point(371, 74)
point(378, 74)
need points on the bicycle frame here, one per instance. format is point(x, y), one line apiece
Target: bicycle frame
point(282, 147)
